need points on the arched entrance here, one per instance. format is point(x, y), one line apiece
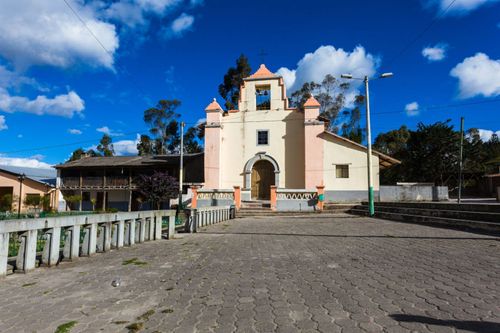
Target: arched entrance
point(261, 171)
point(262, 179)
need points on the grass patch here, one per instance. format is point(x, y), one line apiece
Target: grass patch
point(169, 288)
point(120, 322)
point(66, 327)
point(167, 311)
point(135, 327)
point(28, 284)
point(145, 316)
point(134, 261)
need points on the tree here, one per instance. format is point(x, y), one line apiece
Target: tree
point(32, 200)
point(145, 146)
point(163, 125)
point(157, 188)
point(191, 144)
point(229, 89)
point(330, 93)
point(77, 154)
point(6, 202)
point(105, 146)
point(392, 143)
point(72, 200)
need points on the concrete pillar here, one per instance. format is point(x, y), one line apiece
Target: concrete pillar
point(142, 230)
point(194, 199)
point(4, 253)
point(26, 256)
point(213, 139)
point(107, 236)
point(171, 226)
point(50, 254)
point(129, 232)
point(114, 235)
point(71, 248)
point(89, 240)
point(321, 196)
point(152, 229)
point(273, 197)
point(158, 221)
point(237, 197)
point(313, 144)
point(120, 233)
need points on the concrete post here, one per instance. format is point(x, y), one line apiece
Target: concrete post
point(171, 226)
point(114, 235)
point(26, 256)
point(71, 248)
point(158, 221)
point(50, 254)
point(120, 231)
point(101, 234)
point(107, 236)
point(89, 240)
point(4, 253)
point(194, 221)
point(151, 228)
point(129, 232)
point(273, 197)
point(142, 230)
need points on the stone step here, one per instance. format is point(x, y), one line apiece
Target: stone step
point(443, 213)
point(490, 227)
point(463, 207)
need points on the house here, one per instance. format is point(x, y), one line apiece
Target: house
point(19, 183)
point(265, 142)
point(105, 183)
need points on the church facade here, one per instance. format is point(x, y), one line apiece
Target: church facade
point(265, 142)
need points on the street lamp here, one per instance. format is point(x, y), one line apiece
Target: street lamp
point(371, 204)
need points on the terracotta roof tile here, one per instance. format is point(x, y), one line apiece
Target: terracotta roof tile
point(214, 106)
point(312, 102)
point(262, 72)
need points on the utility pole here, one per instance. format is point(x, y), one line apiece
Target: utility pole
point(371, 203)
point(181, 166)
point(460, 163)
point(21, 179)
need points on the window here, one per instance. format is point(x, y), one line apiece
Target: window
point(263, 97)
point(342, 171)
point(263, 137)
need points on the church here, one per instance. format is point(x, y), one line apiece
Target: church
point(265, 142)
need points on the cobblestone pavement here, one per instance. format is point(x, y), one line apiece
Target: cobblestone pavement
point(277, 274)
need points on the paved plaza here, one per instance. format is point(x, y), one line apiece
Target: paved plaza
point(273, 274)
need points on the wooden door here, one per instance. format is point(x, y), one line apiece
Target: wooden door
point(262, 179)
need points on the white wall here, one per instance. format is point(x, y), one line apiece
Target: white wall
point(338, 151)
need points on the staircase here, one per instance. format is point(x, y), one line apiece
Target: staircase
point(477, 217)
point(263, 208)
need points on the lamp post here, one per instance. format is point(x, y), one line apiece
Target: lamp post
point(21, 179)
point(181, 165)
point(371, 203)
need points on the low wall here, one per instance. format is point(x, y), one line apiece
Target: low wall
point(413, 193)
point(101, 233)
point(205, 216)
point(296, 200)
point(214, 198)
point(348, 196)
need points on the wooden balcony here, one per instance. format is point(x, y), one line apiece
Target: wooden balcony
point(99, 183)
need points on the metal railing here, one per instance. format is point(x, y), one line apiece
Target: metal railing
point(101, 233)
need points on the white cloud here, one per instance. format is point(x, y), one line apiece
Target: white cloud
point(435, 53)
point(137, 12)
point(478, 75)
point(458, 7)
point(38, 157)
point(486, 134)
point(48, 33)
point(329, 60)
point(179, 26)
point(126, 147)
point(3, 123)
point(74, 131)
point(10, 78)
point(23, 162)
point(412, 109)
point(64, 105)
point(195, 3)
point(108, 131)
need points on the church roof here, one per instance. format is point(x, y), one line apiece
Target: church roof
point(312, 102)
point(385, 161)
point(214, 106)
point(262, 72)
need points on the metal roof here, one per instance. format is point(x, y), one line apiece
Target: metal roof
point(44, 176)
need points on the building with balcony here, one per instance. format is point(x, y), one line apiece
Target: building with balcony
point(108, 182)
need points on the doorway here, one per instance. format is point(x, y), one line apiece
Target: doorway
point(262, 178)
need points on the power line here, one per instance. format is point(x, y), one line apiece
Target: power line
point(419, 35)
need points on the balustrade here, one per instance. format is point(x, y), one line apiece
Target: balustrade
point(202, 217)
point(102, 232)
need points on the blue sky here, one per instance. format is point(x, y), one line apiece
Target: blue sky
point(60, 88)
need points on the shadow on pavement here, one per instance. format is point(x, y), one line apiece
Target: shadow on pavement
point(493, 238)
point(468, 325)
